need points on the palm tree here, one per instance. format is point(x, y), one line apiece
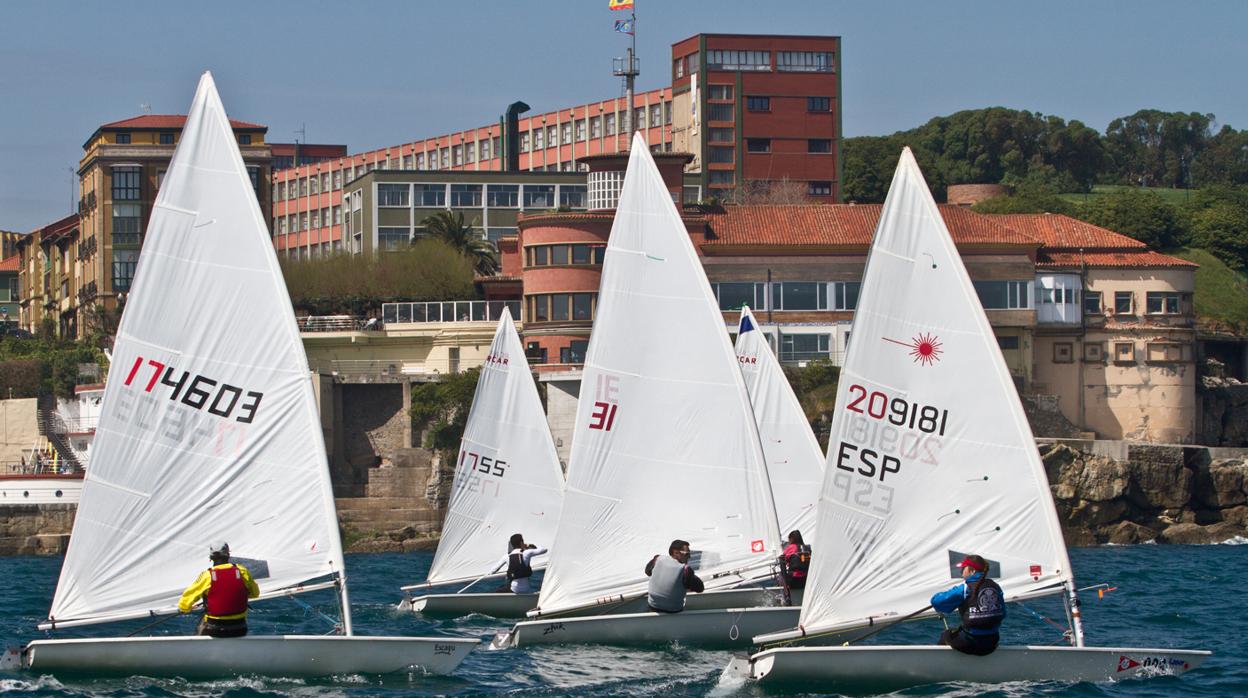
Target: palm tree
point(450, 228)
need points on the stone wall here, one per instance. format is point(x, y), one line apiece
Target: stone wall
point(1163, 494)
point(35, 529)
point(1223, 411)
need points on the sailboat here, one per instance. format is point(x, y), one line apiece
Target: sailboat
point(794, 459)
point(507, 480)
point(931, 459)
point(210, 431)
point(665, 446)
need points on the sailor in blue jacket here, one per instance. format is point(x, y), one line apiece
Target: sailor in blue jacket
point(980, 603)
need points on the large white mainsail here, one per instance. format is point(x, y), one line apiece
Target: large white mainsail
point(209, 429)
point(794, 459)
point(508, 478)
point(664, 444)
point(930, 455)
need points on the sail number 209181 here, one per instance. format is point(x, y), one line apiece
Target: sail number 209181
point(196, 391)
point(897, 411)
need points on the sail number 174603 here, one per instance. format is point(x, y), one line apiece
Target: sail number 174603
point(897, 411)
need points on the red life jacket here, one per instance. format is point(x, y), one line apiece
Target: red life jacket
point(227, 593)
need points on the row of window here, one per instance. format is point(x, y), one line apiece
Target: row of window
point(538, 138)
point(763, 145)
point(167, 138)
point(574, 353)
point(787, 295)
point(758, 61)
point(561, 307)
point(1122, 352)
point(309, 220)
point(526, 196)
point(564, 254)
point(1155, 303)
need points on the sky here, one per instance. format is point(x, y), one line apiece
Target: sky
point(370, 74)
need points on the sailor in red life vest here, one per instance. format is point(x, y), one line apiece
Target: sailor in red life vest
point(795, 561)
point(225, 588)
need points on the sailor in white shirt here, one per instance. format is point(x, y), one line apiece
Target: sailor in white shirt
point(519, 564)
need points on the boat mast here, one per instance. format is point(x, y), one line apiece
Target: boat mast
point(344, 603)
point(1072, 608)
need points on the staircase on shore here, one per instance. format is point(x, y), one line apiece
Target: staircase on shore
point(394, 498)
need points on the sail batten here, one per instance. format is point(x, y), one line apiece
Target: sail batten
point(208, 389)
point(507, 477)
point(930, 456)
point(664, 445)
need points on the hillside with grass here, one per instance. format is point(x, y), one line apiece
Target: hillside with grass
point(1221, 292)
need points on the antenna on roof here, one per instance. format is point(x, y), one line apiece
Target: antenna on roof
point(302, 132)
point(146, 108)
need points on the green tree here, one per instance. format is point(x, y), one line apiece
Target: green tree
point(1153, 148)
point(1224, 159)
point(1028, 198)
point(1140, 213)
point(441, 408)
point(450, 228)
point(1219, 223)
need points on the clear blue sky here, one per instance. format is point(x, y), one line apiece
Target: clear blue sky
point(371, 74)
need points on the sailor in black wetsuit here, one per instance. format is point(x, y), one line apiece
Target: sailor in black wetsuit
point(981, 604)
point(519, 564)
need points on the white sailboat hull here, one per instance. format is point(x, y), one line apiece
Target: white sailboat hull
point(721, 628)
point(887, 668)
point(280, 655)
point(508, 605)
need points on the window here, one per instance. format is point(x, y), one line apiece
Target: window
point(559, 306)
point(582, 306)
point(524, 142)
point(1124, 352)
point(574, 353)
point(818, 104)
point(470, 152)
point(1063, 352)
point(799, 295)
point(1055, 296)
point(465, 195)
point(420, 161)
point(720, 154)
point(692, 63)
point(609, 120)
point(127, 224)
point(124, 263)
point(819, 189)
point(391, 195)
point(733, 295)
point(738, 60)
point(166, 139)
point(539, 196)
point(819, 145)
point(552, 136)
point(244, 139)
point(337, 215)
point(126, 183)
point(803, 347)
point(446, 158)
point(316, 219)
point(656, 115)
point(457, 155)
point(392, 238)
point(430, 195)
point(540, 256)
point(1093, 352)
point(805, 61)
point(595, 127)
point(160, 177)
point(639, 118)
point(535, 353)
point(580, 130)
point(678, 68)
point(1003, 295)
point(1122, 302)
point(539, 139)
point(496, 234)
point(758, 145)
point(572, 195)
point(485, 150)
point(1162, 303)
point(1164, 352)
point(719, 135)
point(845, 294)
point(502, 195)
point(1008, 342)
point(1092, 302)
point(558, 254)
point(758, 103)
point(722, 177)
point(338, 179)
point(667, 113)
point(565, 133)
point(720, 112)
point(719, 92)
point(123, 139)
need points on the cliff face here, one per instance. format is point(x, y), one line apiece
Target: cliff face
point(1163, 494)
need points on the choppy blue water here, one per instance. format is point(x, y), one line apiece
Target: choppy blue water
point(1168, 596)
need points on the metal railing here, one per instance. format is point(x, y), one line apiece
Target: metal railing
point(39, 466)
point(381, 368)
point(447, 311)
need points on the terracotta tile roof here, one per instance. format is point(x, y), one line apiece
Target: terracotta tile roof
point(169, 121)
point(13, 263)
point(1052, 259)
point(1060, 231)
point(842, 225)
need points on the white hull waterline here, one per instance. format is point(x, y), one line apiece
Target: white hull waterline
point(887, 668)
point(721, 628)
point(281, 655)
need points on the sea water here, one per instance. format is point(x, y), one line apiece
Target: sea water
point(1167, 596)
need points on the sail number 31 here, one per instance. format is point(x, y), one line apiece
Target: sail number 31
point(199, 390)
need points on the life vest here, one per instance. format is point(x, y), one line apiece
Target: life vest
point(666, 591)
point(799, 562)
point(518, 567)
point(986, 610)
point(227, 593)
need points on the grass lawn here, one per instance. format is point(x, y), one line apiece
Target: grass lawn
point(1221, 292)
point(1172, 196)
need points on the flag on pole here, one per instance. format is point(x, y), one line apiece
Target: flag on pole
point(624, 26)
point(621, 4)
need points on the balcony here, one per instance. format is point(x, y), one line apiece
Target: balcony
point(447, 311)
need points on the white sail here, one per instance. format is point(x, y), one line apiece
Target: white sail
point(507, 478)
point(930, 456)
point(664, 444)
point(794, 459)
point(209, 429)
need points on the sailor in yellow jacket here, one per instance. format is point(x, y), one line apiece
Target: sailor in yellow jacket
point(225, 588)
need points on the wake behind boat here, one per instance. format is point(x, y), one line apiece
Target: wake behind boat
point(209, 431)
point(931, 460)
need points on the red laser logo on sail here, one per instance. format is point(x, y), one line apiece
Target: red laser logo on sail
point(925, 348)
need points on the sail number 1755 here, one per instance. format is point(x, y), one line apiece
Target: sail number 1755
point(897, 411)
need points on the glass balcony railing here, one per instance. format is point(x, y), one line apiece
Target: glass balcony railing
point(447, 311)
